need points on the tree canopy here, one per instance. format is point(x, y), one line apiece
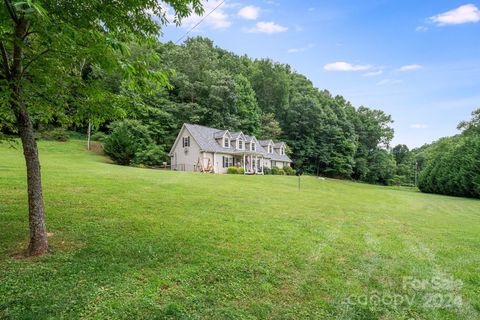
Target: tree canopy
point(55, 59)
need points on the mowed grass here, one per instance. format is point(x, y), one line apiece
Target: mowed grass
point(132, 243)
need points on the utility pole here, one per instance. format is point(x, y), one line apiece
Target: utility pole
point(89, 134)
point(416, 173)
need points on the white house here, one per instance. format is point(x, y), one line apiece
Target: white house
point(204, 149)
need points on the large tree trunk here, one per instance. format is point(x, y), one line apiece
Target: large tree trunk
point(38, 234)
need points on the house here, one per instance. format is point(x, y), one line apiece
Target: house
point(204, 149)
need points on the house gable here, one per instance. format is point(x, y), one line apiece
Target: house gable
point(179, 139)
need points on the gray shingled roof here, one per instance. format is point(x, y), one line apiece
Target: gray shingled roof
point(219, 134)
point(235, 134)
point(205, 137)
point(279, 157)
point(264, 143)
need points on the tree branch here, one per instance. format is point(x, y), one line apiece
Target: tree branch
point(11, 11)
point(6, 65)
point(33, 60)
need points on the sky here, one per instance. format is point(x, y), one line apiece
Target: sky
point(417, 60)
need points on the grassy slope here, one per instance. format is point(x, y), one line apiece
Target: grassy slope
point(138, 243)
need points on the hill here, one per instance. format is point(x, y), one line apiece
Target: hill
point(137, 243)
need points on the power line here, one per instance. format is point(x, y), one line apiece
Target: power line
point(201, 20)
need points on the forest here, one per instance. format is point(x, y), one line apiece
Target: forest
point(207, 85)
point(137, 117)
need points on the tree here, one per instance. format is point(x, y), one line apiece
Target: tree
point(381, 167)
point(400, 153)
point(44, 46)
point(473, 125)
point(452, 165)
point(246, 105)
point(270, 127)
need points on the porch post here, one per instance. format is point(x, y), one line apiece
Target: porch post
point(244, 165)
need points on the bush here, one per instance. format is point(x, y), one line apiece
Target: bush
point(232, 170)
point(397, 180)
point(267, 170)
point(276, 170)
point(98, 136)
point(57, 134)
point(76, 135)
point(128, 138)
point(281, 172)
point(453, 168)
point(152, 156)
point(289, 171)
point(241, 170)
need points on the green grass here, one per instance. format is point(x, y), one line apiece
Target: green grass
point(137, 243)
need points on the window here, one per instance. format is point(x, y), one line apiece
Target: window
point(253, 146)
point(270, 149)
point(240, 144)
point(226, 143)
point(227, 161)
point(281, 151)
point(186, 141)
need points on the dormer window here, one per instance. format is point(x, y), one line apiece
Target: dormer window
point(240, 144)
point(252, 146)
point(226, 142)
point(282, 151)
point(270, 149)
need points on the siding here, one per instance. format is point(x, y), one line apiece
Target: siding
point(182, 161)
point(219, 162)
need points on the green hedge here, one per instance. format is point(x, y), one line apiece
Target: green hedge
point(232, 170)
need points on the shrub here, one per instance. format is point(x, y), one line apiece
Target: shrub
point(98, 136)
point(232, 170)
point(275, 170)
point(267, 170)
point(128, 138)
point(281, 172)
point(57, 134)
point(397, 180)
point(289, 171)
point(76, 135)
point(152, 156)
point(453, 168)
point(241, 170)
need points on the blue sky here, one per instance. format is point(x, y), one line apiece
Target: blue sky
point(417, 60)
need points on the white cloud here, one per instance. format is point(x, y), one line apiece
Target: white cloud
point(468, 13)
point(302, 49)
point(249, 12)
point(345, 66)
point(410, 67)
point(421, 29)
point(267, 27)
point(373, 73)
point(218, 19)
point(419, 126)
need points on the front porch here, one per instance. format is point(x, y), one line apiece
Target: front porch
point(251, 162)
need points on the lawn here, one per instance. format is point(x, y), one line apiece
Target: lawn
point(132, 243)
